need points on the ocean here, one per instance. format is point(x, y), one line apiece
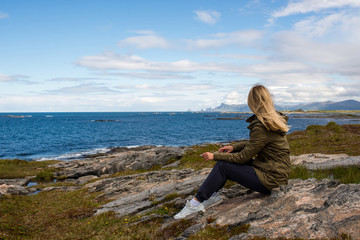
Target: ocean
point(66, 136)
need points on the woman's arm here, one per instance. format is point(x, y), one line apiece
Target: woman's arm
point(258, 140)
point(240, 145)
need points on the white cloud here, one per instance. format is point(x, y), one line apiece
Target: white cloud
point(3, 15)
point(238, 38)
point(315, 27)
point(75, 79)
point(112, 61)
point(148, 39)
point(234, 97)
point(84, 89)
point(306, 6)
point(176, 87)
point(338, 58)
point(208, 16)
point(337, 26)
point(315, 92)
point(149, 75)
point(4, 78)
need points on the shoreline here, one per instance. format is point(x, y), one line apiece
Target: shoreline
point(83, 154)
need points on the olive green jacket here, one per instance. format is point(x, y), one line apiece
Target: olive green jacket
point(267, 151)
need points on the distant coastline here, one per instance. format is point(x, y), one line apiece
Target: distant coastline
point(351, 105)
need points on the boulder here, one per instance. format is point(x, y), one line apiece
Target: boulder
point(306, 209)
point(6, 189)
point(119, 160)
point(322, 161)
point(16, 181)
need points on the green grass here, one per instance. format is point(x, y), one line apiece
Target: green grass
point(343, 174)
point(192, 158)
point(69, 215)
point(329, 139)
point(45, 176)
point(20, 168)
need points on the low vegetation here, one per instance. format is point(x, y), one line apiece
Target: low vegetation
point(20, 168)
point(329, 139)
point(343, 174)
point(193, 159)
point(69, 215)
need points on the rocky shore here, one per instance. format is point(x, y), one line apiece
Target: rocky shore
point(306, 209)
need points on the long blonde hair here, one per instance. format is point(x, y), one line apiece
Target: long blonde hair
point(261, 104)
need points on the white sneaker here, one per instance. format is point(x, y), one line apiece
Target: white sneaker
point(188, 209)
point(212, 200)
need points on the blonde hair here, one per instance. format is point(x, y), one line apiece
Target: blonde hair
point(261, 104)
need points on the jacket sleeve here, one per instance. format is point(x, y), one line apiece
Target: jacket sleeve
point(258, 140)
point(239, 146)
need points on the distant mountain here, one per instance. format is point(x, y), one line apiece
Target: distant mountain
point(230, 108)
point(343, 105)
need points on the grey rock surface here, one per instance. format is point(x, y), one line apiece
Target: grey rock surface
point(119, 160)
point(308, 209)
point(321, 161)
point(6, 189)
point(16, 181)
point(138, 192)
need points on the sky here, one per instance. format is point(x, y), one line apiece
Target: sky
point(161, 55)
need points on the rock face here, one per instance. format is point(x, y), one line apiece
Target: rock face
point(308, 209)
point(14, 186)
point(140, 191)
point(321, 161)
point(118, 160)
point(6, 189)
point(302, 209)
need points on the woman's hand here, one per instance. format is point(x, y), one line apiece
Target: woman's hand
point(208, 156)
point(226, 149)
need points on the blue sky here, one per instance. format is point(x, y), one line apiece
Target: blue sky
point(87, 55)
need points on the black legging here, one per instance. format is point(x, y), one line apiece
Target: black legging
point(222, 171)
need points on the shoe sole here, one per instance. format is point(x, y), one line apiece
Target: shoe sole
point(214, 204)
point(190, 215)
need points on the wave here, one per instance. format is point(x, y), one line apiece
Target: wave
point(75, 155)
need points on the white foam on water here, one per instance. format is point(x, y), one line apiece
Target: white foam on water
point(75, 155)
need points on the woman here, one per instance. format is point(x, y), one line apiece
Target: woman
point(260, 164)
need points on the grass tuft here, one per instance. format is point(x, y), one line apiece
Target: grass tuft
point(45, 176)
point(343, 174)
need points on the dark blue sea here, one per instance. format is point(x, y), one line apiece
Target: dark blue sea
point(65, 136)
